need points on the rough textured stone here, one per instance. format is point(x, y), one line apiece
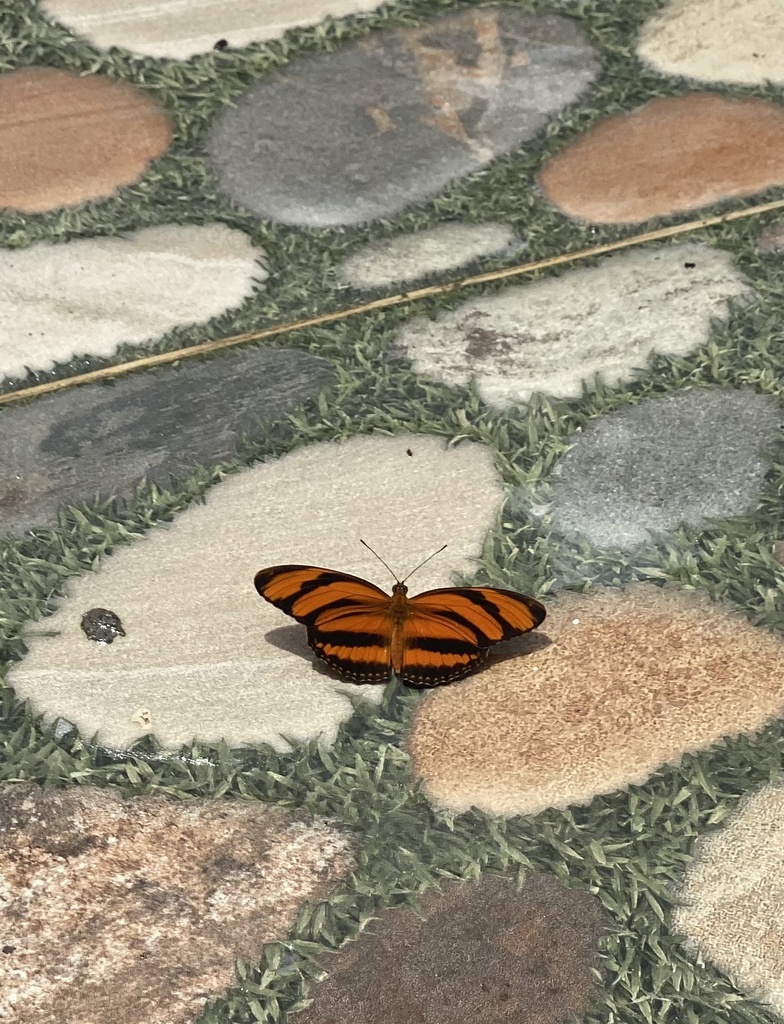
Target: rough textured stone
point(672, 154)
point(408, 257)
point(553, 334)
point(103, 292)
point(350, 136)
point(66, 138)
point(485, 951)
point(632, 680)
point(169, 28)
point(128, 912)
point(772, 238)
point(717, 40)
point(75, 443)
point(681, 458)
point(731, 905)
point(203, 654)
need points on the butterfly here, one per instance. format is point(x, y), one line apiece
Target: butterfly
point(366, 634)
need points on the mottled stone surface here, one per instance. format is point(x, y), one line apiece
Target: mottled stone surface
point(103, 292)
point(772, 238)
point(408, 257)
point(129, 912)
point(169, 28)
point(203, 654)
point(632, 680)
point(731, 906)
point(103, 439)
point(66, 138)
point(717, 40)
point(361, 133)
point(553, 334)
point(673, 154)
point(484, 951)
point(679, 458)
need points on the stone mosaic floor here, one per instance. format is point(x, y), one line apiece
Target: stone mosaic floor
point(198, 822)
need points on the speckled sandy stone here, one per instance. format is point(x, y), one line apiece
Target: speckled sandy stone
point(693, 455)
point(104, 292)
point(358, 134)
point(129, 912)
point(67, 138)
point(632, 680)
point(672, 154)
point(479, 950)
point(553, 334)
point(731, 905)
point(411, 256)
point(170, 28)
point(717, 40)
point(204, 656)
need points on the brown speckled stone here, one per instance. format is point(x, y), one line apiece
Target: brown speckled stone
point(672, 154)
point(133, 912)
point(65, 139)
point(484, 952)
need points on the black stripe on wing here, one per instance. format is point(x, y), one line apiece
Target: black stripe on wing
point(305, 592)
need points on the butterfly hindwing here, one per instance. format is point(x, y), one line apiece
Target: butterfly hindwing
point(347, 618)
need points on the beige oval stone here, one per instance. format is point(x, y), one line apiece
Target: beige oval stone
point(67, 138)
point(204, 656)
point(632, 680)
point(672, 154)
point(171, 28)
point(717, 40)
point(731, 904)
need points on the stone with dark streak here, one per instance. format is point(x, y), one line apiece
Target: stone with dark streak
point(350, 136)
point(103, 439)
point(484, 951)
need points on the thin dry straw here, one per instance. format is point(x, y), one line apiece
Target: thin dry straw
point(392, 300)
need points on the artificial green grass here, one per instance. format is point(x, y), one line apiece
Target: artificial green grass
point(630, 848)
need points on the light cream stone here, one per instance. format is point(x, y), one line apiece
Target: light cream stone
point(411, 256)
point(172, 28)
point(551, 335)
point(203, 654)
point(91, 295)
point(733, 898)
point(717, 40)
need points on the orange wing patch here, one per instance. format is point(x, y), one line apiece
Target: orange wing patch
point(364, 634)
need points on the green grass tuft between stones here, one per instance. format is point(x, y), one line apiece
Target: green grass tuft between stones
point(629, 848)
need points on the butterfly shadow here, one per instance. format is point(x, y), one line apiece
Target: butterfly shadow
point(292, 640)
point(519, 647)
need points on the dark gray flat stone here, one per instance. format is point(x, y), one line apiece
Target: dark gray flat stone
point(682, 458)
point(97, 439)
point(361, 133)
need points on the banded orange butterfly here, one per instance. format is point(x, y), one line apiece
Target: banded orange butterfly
point(365, 634)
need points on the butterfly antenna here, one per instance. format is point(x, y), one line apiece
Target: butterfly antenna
point(370, 549)
point(422, 563)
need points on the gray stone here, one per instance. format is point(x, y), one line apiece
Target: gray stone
point(351, 136)
point(410, 256)
point(682, 458)
point(103, 439)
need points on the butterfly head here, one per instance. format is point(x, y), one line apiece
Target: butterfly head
point(399, 588)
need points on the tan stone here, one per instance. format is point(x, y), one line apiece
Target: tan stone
point(733, 898)
point(129, 912)
point(632, 680)
point(481, 951)
point(670, 155)
point(203, 654)
point(171, 28)
point(67, 138)
point(717, 40)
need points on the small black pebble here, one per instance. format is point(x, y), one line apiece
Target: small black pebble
point(101, 625)
point(9, 949)
point(221, 44)
point(690, 266)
